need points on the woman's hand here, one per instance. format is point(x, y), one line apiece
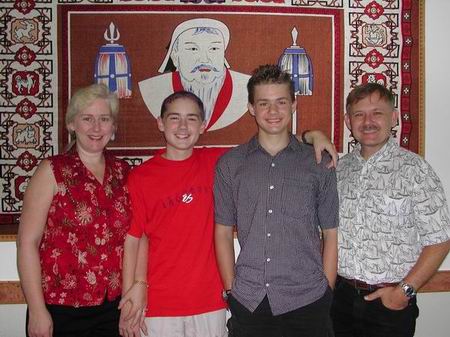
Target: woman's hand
point(40, 323)
point(133, 306)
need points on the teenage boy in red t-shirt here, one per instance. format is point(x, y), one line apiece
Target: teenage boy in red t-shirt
point(172, 203)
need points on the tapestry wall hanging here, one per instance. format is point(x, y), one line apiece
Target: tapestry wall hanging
point(145, 50)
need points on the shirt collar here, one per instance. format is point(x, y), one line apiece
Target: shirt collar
point(254, 145)
point(385, 150)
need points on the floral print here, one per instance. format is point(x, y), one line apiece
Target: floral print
point(82, 246)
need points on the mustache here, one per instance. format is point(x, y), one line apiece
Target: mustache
point(369, 128)
point(203, 66)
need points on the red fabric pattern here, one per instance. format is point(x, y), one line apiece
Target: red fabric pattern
point(82, 246)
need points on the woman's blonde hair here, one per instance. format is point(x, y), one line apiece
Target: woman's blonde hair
point(84, 97)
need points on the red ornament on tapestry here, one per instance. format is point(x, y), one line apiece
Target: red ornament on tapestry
point(24, 6)
point(26, 161)
point(25, 56)
point(26, 108)
point(374, 78)
point(374, 10)
point(25, 83)
point(374, 58)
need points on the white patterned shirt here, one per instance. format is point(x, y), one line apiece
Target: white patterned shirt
point(391, 206)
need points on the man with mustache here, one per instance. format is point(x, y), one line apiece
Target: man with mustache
point(394, 228)
point(196, 61)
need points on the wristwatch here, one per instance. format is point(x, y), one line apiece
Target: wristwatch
point(225, 294)
point(408, 289)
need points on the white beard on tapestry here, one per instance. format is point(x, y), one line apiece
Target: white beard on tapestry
point(207, 92)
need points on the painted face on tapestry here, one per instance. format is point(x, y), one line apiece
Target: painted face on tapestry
point(371, 120)
point(199, 55)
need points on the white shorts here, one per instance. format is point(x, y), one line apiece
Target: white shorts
point(210, 324)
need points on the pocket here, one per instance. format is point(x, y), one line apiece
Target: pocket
point(298, 197)
point(381, 304)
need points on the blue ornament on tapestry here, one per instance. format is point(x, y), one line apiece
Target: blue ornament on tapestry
point(112, 65)
point(297, 63)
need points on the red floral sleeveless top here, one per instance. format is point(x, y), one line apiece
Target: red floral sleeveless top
point(82, 246)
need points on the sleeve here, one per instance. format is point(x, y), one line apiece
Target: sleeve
point(430, 207)
point(225, 209)
point(138, 210)
point(214, 153)
point(328, 201)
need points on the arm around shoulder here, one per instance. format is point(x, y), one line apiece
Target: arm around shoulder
point(321, 143)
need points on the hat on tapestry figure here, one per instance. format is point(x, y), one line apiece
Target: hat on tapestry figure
point(296, 62)
point(112, 65)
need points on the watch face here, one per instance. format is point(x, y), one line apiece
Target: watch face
point(408, 290)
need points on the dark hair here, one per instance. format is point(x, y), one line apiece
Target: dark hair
point(183, 94)
point(268, 74)
point(365, 90)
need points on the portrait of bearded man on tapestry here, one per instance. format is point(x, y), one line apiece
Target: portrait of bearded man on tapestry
point(195, 61)
point(209, 54)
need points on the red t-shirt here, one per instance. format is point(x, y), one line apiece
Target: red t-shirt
point(172, 203)
point(82, 246)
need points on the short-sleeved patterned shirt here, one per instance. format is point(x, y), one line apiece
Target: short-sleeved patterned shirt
point(391, 206)
point(278, 204)
point(82, 246)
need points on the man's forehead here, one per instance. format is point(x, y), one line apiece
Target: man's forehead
point(372, 100)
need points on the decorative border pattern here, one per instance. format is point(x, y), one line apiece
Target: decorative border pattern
point(28, 118)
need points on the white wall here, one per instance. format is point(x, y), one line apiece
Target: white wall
point(12, 317)
point(437, 116)
point(433, 320)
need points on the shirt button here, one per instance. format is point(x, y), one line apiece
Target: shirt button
point(271, 187)
point(268, 235)
point(267, 284)
point(268, 259)
point(273, 164)
point(270, 211)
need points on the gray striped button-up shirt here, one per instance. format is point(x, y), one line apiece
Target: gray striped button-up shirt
point(278, 204)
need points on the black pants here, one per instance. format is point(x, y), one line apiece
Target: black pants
point(353, 316)
point(312, 320)
point(97, 321)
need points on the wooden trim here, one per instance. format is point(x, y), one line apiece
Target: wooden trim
point(8, 232)
point(11, 293)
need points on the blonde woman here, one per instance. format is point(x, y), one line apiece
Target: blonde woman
point(74, 220)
